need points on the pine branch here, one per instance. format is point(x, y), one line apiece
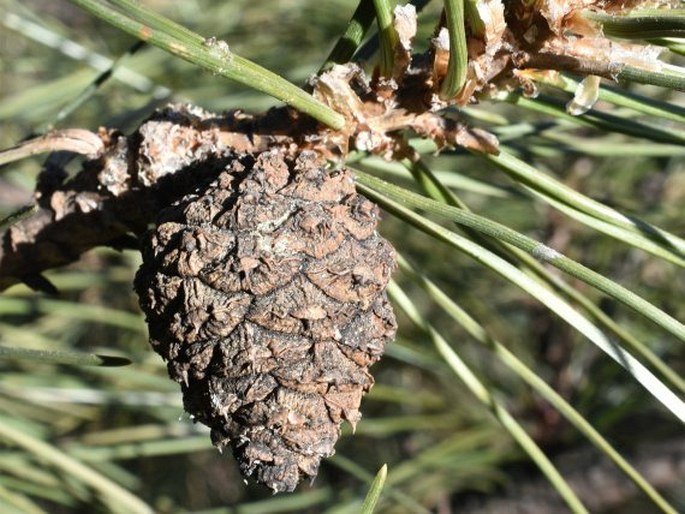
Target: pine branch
point(119, 191)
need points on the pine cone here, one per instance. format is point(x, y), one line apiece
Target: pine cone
point(265, 293)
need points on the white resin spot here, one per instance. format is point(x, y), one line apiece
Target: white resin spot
point(545, 253)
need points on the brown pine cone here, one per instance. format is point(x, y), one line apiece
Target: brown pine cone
point(265, 293)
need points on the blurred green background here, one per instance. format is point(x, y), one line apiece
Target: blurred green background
point(444, 450)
